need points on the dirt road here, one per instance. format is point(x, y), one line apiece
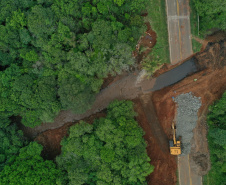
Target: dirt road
point(150, 114)
point(178, 19)
point(157, 143)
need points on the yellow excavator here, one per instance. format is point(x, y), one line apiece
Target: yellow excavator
point(175, 146)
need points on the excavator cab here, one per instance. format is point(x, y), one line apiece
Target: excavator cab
point(175, 146)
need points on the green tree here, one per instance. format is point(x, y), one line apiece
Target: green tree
point(217, 141)
point(41, 21)
point(217, 115)
point(112, 150)
point(212, 14)
point(30, 168)
point(11, 141)
point(33, 99)
point(7, 8)
point(74, 94)
point(119, 2)
point(18, 20)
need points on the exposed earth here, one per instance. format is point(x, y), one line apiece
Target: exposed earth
point(165, 164)
point(51, 139)
point(210, 84)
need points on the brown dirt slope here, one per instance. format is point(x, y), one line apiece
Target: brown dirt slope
point(157, 148)
point(209, 84)
point(51, 139)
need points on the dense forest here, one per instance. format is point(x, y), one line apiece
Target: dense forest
point(54, 54)
point(112, 150)
point(20, 160)
point(217, 142)
point(212, 14)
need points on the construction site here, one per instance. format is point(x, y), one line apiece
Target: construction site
point(171, 97)
point(171, 105)
point(183, 101)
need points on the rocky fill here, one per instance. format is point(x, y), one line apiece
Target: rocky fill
point(186, 119)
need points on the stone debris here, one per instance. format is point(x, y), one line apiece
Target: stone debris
point(186, 120)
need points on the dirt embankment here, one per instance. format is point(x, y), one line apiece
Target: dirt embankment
point(51, 139)
point(157, 144)
point(145, 44)
point(209, 84)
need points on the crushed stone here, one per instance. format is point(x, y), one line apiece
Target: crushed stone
point(186, 120)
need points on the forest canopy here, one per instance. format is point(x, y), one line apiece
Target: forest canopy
point(110, 151)
point(54, 54)
point(217, 141)
point(11, 140)
point(212, 14)
point(21, 161)
point(29, 168)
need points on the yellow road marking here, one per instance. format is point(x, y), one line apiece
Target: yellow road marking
point(189, 171)
point(178, 169)
point(178, 11)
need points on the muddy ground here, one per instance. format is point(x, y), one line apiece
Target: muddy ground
point(210, 84)
point(157, 149)
point(51, 139)
point(210, 87)
point(145, 44)
point(147, 41)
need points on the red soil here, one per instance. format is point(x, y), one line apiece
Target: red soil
point(51, 139)
point(209, 84)
point(165, 164)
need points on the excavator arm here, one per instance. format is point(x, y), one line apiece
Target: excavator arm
point(174, 134)
point(175, 148)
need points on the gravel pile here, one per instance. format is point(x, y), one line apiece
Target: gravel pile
point(187, 109)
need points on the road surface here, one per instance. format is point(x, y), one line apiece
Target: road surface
point(179, 31)
point(186, 175)
point(174, 74)
point(178, 19)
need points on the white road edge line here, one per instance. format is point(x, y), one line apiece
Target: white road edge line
point(178, 170)
point(168, 32)
point(189, 14)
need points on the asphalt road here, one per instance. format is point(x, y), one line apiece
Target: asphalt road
point(178, 19)
point(175, 75)
point(179, 31)
point(186, 175)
